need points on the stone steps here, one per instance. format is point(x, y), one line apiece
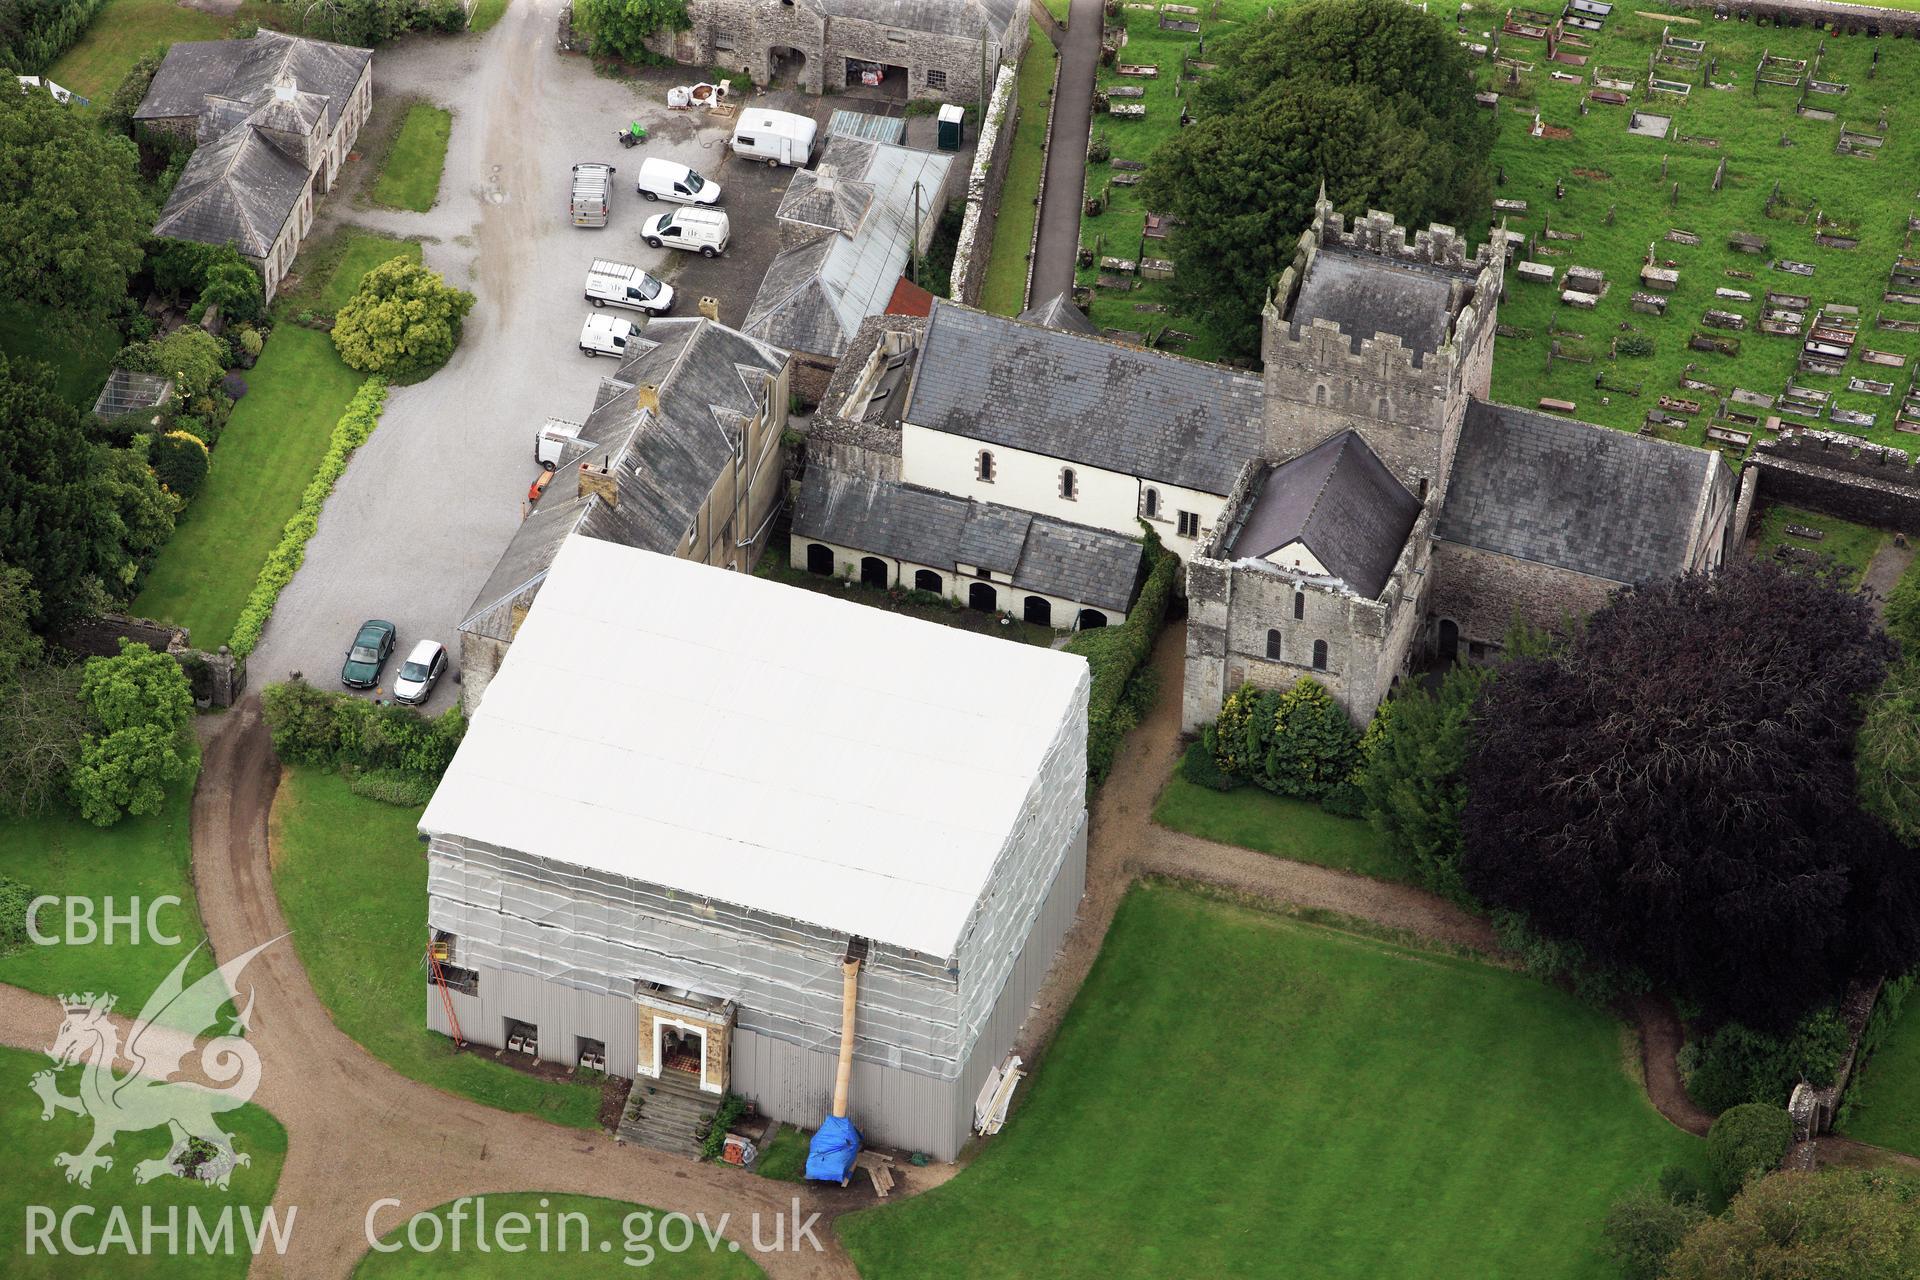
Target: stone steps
point(668, 1114)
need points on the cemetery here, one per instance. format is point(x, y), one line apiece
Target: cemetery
point(1753, 188)
point(1745, 193)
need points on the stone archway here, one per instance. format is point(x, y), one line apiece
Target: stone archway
point(784, 62)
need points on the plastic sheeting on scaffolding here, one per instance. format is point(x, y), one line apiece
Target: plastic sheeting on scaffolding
point(834, 1148)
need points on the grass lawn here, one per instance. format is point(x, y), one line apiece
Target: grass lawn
point(572, 1247)
point(1285, 827)
point(1233, 1088)
point(329, 271)
point(353, 883)
point(79, 361)
point(1852, 545)
point(34, 1180)
point(135, 860)
point(263, 462)
point(784, 1157)
point(915, 604)
point(1886, 1100)
point(126, 29)
point(1004, 290)
point(487, 12)
point(410, 178)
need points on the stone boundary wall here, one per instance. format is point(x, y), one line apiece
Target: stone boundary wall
point(1814, 1110)
point(1040, 192)
point(218, 678)
point(992, 150)
point(1845, 19)
point(1050, 26)
point(1840, 475)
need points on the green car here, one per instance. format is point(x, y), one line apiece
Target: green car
point(371, 649)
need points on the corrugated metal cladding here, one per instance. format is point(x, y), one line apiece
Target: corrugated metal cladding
point(893, 1105)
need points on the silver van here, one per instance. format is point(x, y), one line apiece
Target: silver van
point(592, 194)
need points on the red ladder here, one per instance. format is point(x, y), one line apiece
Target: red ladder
point(436, 952)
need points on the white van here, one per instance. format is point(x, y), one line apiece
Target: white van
point(778, 137)
point(665, 180)
point(703, 230)
point(606, 336)
point(617, 284)
point(592, 194)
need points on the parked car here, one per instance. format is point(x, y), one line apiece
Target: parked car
point(606, 336)
point(665, 180)
point(778, 137)
point(702, 230)
point(372, 646)
point(621, 285)
point(426, 664)
point(592, 194)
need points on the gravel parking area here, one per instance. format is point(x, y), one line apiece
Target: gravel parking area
point(426, 506)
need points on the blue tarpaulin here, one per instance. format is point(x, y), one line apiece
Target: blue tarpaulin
point(831, 1154)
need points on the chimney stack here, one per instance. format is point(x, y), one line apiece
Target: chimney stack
point(646, 396)
point(600, 480)
point(710, 308)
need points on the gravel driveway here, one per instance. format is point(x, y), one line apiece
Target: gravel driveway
point(426, 506)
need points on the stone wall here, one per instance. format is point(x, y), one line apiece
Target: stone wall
point(1483, 592)
point(992, 148)
point(218, 677)
point(1842, 476)
point(1846, 19)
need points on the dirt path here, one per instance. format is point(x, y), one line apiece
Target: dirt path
point(1883, 571)
point(358, 1132)
point(1661, 1036)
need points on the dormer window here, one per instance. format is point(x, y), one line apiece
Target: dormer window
point(983, 466)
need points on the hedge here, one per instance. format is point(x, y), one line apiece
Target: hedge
point(1746, 1140)
point(385, 745)
point(1114, 653)
point(37, 32)
point(355, 425)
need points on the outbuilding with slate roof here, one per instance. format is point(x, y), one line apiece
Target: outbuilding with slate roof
point(274, 117)
point(680, 455)
point(996, 559)
point(946, 50)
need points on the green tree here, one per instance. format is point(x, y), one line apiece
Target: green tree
point(141, 513)
point(402, 323)
point(72, 212)
point(621, 27)
point(235, 288)
point(1746, 1141)
point(57, 521)
point(142, 702)
point(1644, 1228)
point(1415, 776)
point(189, 355)
point(1887, 753)
point(1373, 98)
point(1313, 746)
point(1842, 1224)
point(20, 648)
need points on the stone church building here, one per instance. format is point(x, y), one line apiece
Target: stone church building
point(1394, 512)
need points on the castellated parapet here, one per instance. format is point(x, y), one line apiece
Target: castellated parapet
point(1387, 334)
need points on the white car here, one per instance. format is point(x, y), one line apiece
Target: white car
point(606, 336)
point(426, 664)
point(665, 180)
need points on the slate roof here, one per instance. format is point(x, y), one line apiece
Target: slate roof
point(246, 70)
point(1085, 399)
point(711, 382)
point(1041, 554)
point(938, 17)
point(1590, 499)
point(815, 295)
point(1366, 294)
point(1340, 500)
point(238, 189)
point(241, 186)
point(1058, 312)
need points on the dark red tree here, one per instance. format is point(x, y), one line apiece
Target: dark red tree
point(1674, 791)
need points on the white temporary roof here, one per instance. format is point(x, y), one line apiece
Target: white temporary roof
point(748, 742)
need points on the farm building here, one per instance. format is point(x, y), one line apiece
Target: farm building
point(689, 794)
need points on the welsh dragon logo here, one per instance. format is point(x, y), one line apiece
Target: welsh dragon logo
point(148, 1096)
